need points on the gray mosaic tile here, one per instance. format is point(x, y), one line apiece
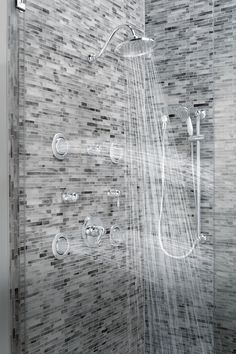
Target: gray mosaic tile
point(90, 302)
point(184, 60)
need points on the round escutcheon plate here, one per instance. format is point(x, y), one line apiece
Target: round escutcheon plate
point(60, 146)
point(60, 246)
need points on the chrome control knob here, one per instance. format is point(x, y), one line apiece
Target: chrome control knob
point(92, 231)
point(70, 197)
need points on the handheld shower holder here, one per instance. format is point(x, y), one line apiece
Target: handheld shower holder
point(201, 114)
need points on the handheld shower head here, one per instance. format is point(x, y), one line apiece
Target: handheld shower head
point(133, 47)
point(189, 126)
point(184, 113)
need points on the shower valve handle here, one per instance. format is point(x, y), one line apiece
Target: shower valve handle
point(94, 231)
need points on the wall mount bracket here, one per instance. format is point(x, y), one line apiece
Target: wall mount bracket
point(20, 5)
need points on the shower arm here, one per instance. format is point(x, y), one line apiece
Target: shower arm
point(92, 58)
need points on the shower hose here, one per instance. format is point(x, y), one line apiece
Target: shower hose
point(187, 254)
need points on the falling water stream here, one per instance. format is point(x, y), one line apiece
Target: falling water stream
point(169, 292)
point(163, 241)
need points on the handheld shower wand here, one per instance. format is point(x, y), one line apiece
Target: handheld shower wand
point(199, 115)
point(189, 126)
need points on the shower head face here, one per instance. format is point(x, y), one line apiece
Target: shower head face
point(135, 47)
point(182, 112)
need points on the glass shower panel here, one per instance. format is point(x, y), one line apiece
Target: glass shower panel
point(225, 197)
point(179, 286)
point(83, 288)
point(16, 88)
point(122, 177)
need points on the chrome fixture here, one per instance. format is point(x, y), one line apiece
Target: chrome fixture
point(70, 197)
point(200, 114)
point(185, 114)
point(115, 193)
point(92, 231)
point(60, 146)
point(60, 246)
point(20, 5)
point(116, 153)
point(133, 47)
point(187, 117)
point(117, 237)
point(94, 150)
point(164, 120)
point(202, 238)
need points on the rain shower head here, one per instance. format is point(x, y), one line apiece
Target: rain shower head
point(135, 47)
point(131, 48)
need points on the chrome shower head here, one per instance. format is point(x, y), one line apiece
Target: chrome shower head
point(181, 112)
point(135, 47)
point(184, 113)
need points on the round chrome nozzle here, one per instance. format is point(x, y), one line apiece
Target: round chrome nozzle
point(92, 58)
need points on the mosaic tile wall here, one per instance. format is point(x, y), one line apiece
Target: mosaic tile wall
point(195, 56)
point(183, 57)
point(91, 302)
point(16, 171)
point(225, 169)
point(13, 167)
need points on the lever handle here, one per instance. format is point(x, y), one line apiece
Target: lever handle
point(118, 202)
point(115, 193)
